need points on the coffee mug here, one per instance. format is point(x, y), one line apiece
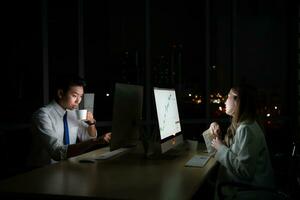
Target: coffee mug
point(81, 114)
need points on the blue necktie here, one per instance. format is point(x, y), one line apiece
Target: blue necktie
point(66, 130)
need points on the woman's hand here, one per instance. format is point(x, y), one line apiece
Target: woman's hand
point(216, 143)
point(215, 129)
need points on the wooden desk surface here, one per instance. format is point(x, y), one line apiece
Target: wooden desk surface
point(129, 176)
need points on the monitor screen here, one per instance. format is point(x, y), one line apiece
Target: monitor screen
point(127, 115)
point(87, 102)
point(168, 117)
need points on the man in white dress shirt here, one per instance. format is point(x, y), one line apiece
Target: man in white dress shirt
point(50, 142)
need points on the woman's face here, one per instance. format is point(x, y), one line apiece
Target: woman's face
point(72, 98)
point(231, 103)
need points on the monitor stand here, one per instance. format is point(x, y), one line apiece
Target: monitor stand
point(172, 143)
point(166, 150)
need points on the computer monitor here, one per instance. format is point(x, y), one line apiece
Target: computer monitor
point(127, 115)
point(168, 118)
point(87, 102)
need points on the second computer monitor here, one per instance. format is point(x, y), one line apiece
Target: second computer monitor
point(127, 115)
point(168, 118)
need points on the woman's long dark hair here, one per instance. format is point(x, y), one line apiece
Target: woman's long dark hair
point(246, 109)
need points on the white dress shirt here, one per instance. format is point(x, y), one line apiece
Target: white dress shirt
point(48, 134)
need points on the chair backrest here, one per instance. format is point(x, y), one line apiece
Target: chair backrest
point(293, 182)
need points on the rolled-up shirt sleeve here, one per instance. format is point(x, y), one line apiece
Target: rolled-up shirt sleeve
point(83, 134)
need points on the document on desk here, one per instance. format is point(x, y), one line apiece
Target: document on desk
point(197, 161)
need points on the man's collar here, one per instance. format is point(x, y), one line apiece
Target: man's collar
point(60, 110)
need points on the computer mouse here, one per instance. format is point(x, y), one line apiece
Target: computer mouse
point(86, 161)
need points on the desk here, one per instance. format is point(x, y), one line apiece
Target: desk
point(129, 176)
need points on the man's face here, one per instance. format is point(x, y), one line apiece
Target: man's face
point(72, 98)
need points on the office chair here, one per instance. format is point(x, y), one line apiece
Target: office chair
point(294, 173)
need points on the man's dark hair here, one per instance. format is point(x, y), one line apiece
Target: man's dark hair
point(65, 82)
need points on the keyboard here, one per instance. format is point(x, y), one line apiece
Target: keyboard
point(111, 154)
point(197, 161)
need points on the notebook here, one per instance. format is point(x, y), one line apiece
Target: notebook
point(208, 137)
point(197, 161)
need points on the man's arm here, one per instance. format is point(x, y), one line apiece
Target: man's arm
point(82, 147)
point(92, 131)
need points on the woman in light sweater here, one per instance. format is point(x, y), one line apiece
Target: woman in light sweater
point(243, 154)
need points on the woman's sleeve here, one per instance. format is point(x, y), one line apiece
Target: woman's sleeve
point(240, 158)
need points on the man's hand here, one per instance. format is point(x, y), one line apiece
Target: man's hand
point(107, 137)
point(90, 118)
